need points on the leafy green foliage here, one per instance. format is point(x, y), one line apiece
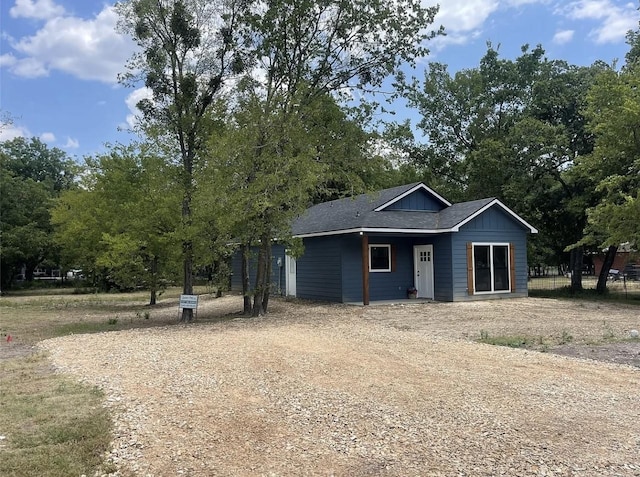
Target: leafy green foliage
point(189, 48)
point(31, 176)
point(286, 134)
point(511, 129)
point(614, 118)
point(123, 225)
point(509, 341)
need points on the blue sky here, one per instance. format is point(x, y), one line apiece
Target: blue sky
point(59, 59)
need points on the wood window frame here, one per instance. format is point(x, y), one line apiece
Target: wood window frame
point(471, 268)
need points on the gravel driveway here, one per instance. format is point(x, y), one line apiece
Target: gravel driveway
point(382, 390)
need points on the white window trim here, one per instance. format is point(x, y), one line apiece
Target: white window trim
point(380, 245)
point(491, 245)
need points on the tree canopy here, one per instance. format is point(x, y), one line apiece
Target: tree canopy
point(513, 129)
point(32, 175)
point(121, 226)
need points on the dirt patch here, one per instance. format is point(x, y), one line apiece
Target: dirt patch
point(391, 390)
point(621, 353)
point(14, 350)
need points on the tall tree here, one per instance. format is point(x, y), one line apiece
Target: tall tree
point(78, 229)
point(512, 129)
point(31, 176)
point(467, 117)
point(308, 54)
point(613, 111)
point(129, 211)
point(188, 50)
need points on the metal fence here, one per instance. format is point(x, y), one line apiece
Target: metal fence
point(621, 287)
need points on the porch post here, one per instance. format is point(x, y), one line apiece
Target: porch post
point(365, 269)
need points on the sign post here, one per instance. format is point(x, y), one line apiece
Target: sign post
point(189, 302)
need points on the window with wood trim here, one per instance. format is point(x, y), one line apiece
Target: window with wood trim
point(490, 268)
point(380, 259)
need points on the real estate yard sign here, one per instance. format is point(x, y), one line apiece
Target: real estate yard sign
point(188, 301)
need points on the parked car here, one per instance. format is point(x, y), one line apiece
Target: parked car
point(614, 275)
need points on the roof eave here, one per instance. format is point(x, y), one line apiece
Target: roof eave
point(362, 230)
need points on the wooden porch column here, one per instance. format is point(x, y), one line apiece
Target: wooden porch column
point(365, 270)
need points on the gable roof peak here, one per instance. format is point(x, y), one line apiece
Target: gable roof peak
point(408, 189)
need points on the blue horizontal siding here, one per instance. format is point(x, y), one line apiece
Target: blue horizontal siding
point(325, 256)
point(442, 270)
point(393, 285)
point(319, 275)
point(331, 267)
point(493, 226)
point(278, 276)
point(351, 246)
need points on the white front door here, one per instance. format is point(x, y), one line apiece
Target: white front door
point(423, 270)
point(290, 270)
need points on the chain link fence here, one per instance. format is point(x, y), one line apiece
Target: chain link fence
point(618, 285)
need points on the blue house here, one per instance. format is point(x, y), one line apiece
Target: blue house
point(378, 246)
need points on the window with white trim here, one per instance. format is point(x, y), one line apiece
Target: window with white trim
point(379, 258)
point(491, 270)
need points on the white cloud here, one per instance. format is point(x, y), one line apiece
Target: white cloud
point(71, 144)
point(48, 137)
point(463, 15)
point(518, 3)
point(614, 20)
point(7, 60)
point(88, 49)
point(562, 37)
point(40, 9)
point(132, 101)
point(11, 131)
point(29, 68)
point(464, 20)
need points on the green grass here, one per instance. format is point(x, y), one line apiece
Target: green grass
point(85, 328)
point(517, 341)
point(52, 426)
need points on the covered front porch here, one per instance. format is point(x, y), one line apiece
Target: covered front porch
point(399, 268)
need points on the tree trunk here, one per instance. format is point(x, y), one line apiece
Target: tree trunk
point(610, 256)
point(576, 269)
point(187, 244)
point(154, 281)
point(187, 313)
point(258, 296)
point(216, 277)
point(244, 251)
point(28, 272)
point(267, 281)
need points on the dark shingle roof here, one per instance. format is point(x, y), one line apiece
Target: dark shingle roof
point(359, 212)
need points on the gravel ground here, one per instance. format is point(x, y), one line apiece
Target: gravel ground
point(383, 390)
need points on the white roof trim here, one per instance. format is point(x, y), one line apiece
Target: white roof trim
point(330, 232)
point(381, 230)
point(531, 228)
point(408, 231)
point(410, 191)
